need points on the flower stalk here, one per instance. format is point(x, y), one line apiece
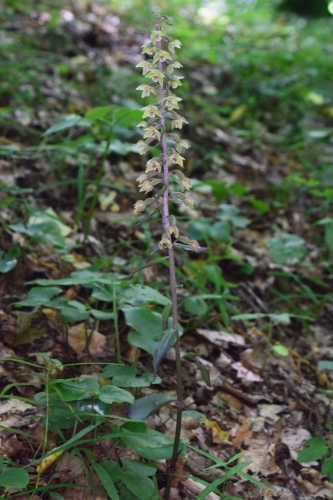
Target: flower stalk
point(161, 172)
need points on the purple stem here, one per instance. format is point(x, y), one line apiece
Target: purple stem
point(173, 284)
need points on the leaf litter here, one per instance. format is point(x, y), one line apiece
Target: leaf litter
point(260, 403)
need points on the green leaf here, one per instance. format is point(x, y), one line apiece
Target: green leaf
point(283, 318)
point(329, 236)
point(327, 468)
point(84, 277)
point(195, 305)
point(286, 247)
point(71, 391)
point(135, 477)
point(315, 448)
point(72, 314)
point(325, 365)
point(147, 326)
point(165, 315)
point(204, 372)
point(39, 296)
point(138, 295)
point(106, 481)
point(220, 231)
point(100, 112)
point(13, 477)
point(113, 370)
point(163, 346)
point(9, 260)
point(281, 349)
point(193, 414)
point(112, 394)
point(102, 315)
point(143, 407)
point(151, 445)
point(67, 121)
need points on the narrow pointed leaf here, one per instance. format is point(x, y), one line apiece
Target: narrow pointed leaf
point(168, 339)
point(165, 315)
point(143, 407)
point(204, 372)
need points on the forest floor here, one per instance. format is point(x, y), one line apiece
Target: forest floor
point(256, 307)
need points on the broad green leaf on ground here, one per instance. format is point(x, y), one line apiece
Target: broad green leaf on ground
point(112, 394)
point(151, 445)
point(286, 248)
point(315, 448)
point(138, 295)
point(13, 477)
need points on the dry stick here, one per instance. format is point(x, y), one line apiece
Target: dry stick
point(173, 287)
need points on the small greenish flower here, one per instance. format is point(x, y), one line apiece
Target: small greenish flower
point(182, 144)
point(153, 164)
point(146, 90)
point(156, 76)
point(171, 102)
point(143, 147)
point(153, 133)
point(176, 159)
point(145, 65)
point(174, 65)
point(148, 48)
point(175, 44)
point(161, 56)
point(189, 201)
point(146, 186)
point(175, 82)
point(156, 35)
point(151, 111)
point(185, 183)
point(178, 122)
point(172, 230)
point(142, 124)
point(165, 243)
point(141, 178)
point(139, 206)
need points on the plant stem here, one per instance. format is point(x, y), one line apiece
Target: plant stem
point(116, 328)
point(173, 288)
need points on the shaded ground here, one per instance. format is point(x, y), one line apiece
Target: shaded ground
point(267, 256)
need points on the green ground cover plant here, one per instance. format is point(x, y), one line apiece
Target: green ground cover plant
point(271, 104)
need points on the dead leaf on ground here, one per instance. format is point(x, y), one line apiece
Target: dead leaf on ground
point(78, 336)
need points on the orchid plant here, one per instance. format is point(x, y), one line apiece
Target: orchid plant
point(160, 120)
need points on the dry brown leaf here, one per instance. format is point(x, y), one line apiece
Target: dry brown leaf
point(258, 453)
point(78, 336)
point(242, 432)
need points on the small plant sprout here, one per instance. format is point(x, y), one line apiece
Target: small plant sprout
point(160, 170)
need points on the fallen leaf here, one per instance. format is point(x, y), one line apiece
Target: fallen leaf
point(78, 336)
